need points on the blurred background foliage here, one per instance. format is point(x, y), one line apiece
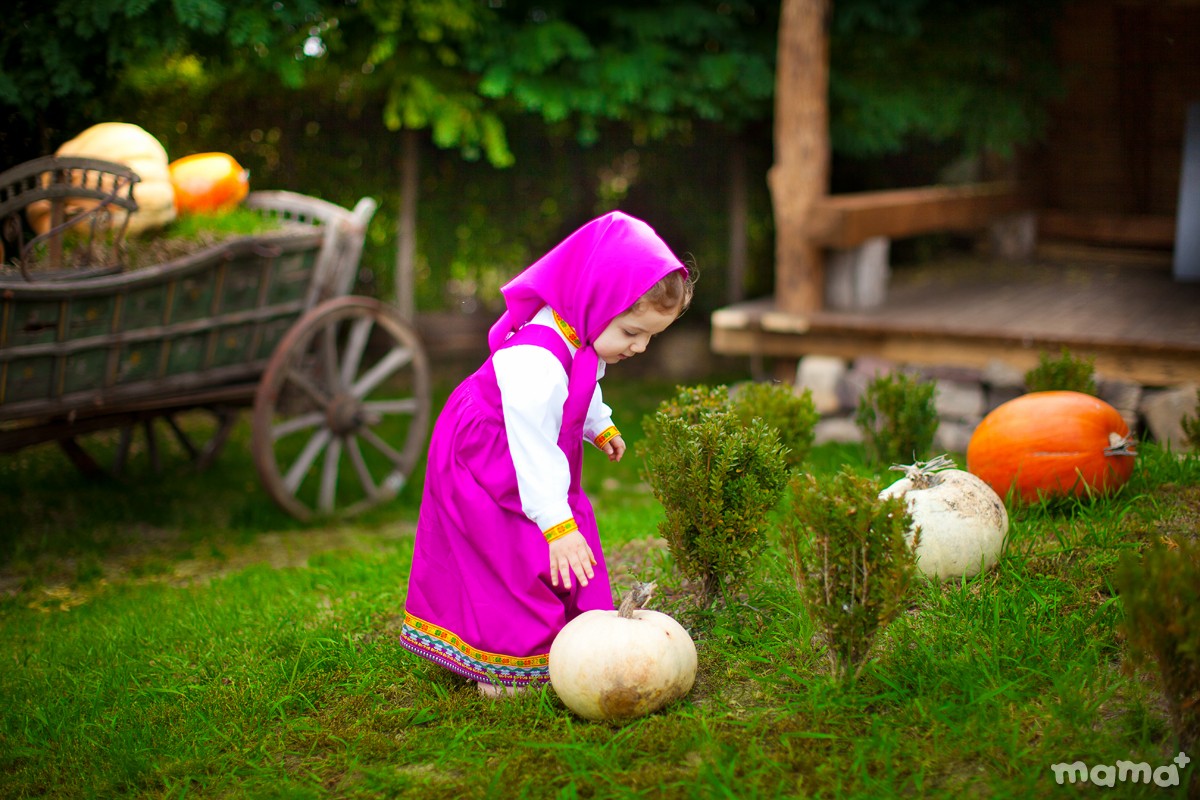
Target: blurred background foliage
point(532, 116)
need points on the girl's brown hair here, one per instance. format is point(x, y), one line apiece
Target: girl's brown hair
point(672, 292)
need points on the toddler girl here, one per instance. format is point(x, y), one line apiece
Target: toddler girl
point(507, 550)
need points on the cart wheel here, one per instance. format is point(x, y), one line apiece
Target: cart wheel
point(342, 410)
point(199, 444)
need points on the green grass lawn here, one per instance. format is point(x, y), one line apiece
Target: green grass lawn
point(176, 636)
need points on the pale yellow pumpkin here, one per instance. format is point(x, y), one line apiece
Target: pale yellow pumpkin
point(131, 145)
point(617, 665)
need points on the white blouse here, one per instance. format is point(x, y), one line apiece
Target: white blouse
point(533, 388)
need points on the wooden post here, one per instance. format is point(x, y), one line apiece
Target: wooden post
point(406, 224)
point(800, 174)
point(1187, 226)
point(738, 213)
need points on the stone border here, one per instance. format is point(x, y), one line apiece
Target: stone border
point(964, 396)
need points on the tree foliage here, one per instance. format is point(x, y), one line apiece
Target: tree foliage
point(978, 74)
point(454, 67)
point(460, 68)
point(412, 58)
point(61, 60)
point(901, 70)
point(653, 65)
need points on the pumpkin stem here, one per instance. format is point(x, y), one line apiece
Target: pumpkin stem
point(636, 598)
point(1119, 445)
point(922, 473)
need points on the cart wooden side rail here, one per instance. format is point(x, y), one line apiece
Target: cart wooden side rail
point(339, 383)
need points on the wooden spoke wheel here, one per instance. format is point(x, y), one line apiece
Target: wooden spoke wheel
point(342, 411)
point(109, 447)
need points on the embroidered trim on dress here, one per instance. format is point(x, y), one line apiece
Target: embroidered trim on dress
point(447, 648)
point(566, 329)
point(560, 530)
point(607, 435)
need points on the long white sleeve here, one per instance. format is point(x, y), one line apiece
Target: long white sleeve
point(533, 388)
point(599, 416)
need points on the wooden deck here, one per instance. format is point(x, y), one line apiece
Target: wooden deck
point(1134, 320)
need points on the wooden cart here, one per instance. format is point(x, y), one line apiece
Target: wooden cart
point(339, 384)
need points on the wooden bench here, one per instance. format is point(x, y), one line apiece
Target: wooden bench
point(858, 229)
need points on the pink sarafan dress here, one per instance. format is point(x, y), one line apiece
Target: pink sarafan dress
point(480, 601)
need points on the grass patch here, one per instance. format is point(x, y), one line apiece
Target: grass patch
point(178, 637)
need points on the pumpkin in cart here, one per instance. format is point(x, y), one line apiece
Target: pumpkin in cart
point(208, 183)
point(130, 145)
point(1052, 444)
point(617, 665)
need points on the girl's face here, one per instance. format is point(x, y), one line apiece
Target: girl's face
point(629, 334)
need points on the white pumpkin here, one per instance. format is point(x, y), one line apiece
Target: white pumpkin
point(131, 145)
point(962, 522)
point(617, 665)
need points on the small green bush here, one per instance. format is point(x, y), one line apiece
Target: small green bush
point(1066, 372)
point(692, 403)
point(1161, 595)
point(898, 419)
point(851, 562)
point(794, 416)
point(717, 478)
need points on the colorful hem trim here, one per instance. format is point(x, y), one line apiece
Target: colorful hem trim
point(607, 435)
point(446, 648)
point(560, 530)
point(567, 330)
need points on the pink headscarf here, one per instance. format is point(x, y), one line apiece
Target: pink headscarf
point(589, 278)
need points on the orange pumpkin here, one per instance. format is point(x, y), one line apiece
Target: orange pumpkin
point(1052, 444)
point(208, 182)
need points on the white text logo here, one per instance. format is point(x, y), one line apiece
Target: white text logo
point(1121, 772)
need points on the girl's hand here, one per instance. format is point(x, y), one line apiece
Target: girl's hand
point(614, 448)
point(569, 554)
